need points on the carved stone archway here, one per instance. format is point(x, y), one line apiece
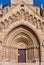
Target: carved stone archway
point(21, 37)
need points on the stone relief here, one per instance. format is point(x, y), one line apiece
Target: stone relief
point(22, 14)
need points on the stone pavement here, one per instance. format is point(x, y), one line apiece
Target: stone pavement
point(10, 63)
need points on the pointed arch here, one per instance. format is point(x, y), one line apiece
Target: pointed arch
point(22, 29)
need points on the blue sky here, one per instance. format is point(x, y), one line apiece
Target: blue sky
point(36, 2)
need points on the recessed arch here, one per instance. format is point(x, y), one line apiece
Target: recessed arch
point(29, 29)
point(17, 34)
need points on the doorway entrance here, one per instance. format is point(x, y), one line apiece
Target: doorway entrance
point(21, 55)
point(22, 46)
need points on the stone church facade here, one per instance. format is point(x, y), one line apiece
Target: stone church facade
point(21, 33)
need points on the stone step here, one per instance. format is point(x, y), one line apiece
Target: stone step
point(6, 63)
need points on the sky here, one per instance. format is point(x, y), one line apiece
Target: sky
point(36, 2)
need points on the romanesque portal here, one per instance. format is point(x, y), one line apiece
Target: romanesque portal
point(21, 33)
point(21, 45)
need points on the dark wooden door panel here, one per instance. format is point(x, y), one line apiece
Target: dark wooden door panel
point(21, 55)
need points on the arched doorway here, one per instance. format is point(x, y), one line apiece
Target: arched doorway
point(22, 45)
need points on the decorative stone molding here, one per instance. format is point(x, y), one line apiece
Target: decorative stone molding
point(22, 14)
point(20, 38)
point(11, 26)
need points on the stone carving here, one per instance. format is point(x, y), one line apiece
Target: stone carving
point(20, 38)
point(22, 14)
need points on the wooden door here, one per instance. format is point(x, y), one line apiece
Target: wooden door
point(22, 56)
